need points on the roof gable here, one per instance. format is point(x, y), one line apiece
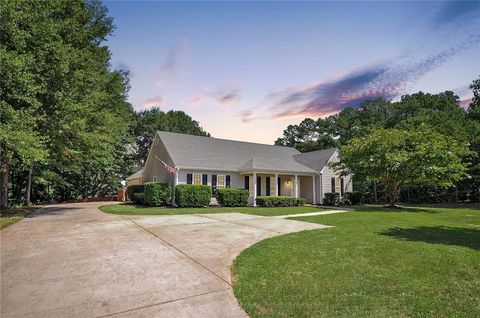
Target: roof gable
point(316, 160)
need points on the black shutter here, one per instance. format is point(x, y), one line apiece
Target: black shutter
point(259, 186)
point(279, 185)
point(227, 181)
point(214, 181)
point(189, 178)
point(247, 182)
point(267, 186)
point(341, 187)
point(204, 179)
point(333, 185)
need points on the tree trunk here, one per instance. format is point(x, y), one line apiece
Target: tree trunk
point(29, 187)
point(4, 186)
point(375, 191)
point(392, 190)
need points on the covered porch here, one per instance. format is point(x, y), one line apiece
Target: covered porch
point(261, 183)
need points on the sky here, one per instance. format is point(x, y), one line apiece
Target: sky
point(247, 70)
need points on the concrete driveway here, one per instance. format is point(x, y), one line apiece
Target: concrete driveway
point(76, 261)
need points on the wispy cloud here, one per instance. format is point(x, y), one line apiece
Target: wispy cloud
point(172, 63)
point(153, 102)
point(221, 97)
point(386, 80)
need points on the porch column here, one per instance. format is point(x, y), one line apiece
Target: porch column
point(254, 189)
point(296, 186)
point(314, 190)
point(276, 185)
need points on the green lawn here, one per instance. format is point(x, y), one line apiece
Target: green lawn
point(416, 262)
point(133, 209)
point(12, 216)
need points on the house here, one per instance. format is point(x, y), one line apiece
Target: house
point(136, 178)
point(262, 169)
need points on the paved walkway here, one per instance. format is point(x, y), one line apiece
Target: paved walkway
point(75, 261)
point(309, 214)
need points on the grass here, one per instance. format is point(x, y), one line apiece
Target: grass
point(13, 216)
point(133, 209)
point(375, 262)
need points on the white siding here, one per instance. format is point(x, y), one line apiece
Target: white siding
point(327, 175)
point(153, 166)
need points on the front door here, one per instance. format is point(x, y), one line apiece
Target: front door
point(267, 186)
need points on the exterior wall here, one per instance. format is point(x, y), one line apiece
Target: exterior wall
point(327, 175)
point(154, 169)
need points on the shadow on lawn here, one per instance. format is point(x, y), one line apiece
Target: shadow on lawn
point(466, 237)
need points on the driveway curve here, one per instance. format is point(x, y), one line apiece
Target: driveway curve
point(74, 260)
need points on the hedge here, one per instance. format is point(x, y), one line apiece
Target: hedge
point(192, 195)
point(232, 197)
point(139, 197)
point(354, 197)
point(331, 198)
point(157, 193)
point(132, 189)
point(267, 201)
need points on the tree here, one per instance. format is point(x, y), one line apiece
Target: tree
point(148, 122)
point(55, 71)
point(397, 157)
point(309, 135)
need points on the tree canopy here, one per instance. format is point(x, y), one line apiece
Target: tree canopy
point(440, 112)
point(64, 113)
point(398, 157)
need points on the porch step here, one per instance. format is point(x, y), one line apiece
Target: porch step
point(213, 202)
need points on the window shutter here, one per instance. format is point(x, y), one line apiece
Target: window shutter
point(189, 178)
point(204, 179)
point(333, 185)
point(247, 182)
point(227, 181)
point(259, 186)
point(214, 181)
point(341, 187)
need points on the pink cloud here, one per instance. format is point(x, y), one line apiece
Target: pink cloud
point(153, 102)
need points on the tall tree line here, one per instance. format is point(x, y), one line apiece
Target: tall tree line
point(441, 112)
point(66, 128)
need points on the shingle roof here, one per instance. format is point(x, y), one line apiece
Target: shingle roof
point(196, 152)
point(136, 175)
point(316, 160)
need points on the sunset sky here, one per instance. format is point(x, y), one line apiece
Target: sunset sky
point(246, 70)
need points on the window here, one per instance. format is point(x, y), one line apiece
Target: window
point(221, 181)
point(247, 183)
point(197, 178)
point(337, 185)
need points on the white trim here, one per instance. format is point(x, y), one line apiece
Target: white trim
point(314, 190)
point(254, 189)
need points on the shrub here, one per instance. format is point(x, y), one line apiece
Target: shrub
point(157, 193)
point(267, 201)
point(192, 195)
point(331, 198)
point(139, 197)
point(354, 197)
point(132, 189)
point(232, 197)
